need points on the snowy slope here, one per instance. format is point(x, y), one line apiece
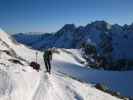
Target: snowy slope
point(18, 81)
point(116, 80)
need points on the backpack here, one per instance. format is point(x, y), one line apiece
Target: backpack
point(47, 55)
point(35, 65)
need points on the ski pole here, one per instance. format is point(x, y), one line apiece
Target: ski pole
point(36, 56)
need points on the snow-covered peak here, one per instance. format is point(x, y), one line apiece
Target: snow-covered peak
point(5, 37)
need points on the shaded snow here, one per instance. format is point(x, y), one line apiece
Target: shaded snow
point(118, 81)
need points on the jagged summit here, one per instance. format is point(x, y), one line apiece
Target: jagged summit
point(68, 28)
point(70, 36)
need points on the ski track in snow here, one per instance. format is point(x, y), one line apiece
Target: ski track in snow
point(48, 89)
point(42, 89)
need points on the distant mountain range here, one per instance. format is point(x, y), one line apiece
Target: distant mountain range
point(115, 39)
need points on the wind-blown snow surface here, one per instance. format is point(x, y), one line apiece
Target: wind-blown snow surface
point(18, 81)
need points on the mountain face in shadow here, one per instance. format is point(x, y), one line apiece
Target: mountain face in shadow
point(115, 39)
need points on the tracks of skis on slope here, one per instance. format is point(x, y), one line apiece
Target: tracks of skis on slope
point(51, 88)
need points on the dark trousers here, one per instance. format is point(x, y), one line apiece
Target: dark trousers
point(48, 65)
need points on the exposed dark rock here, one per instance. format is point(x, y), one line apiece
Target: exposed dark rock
point(15, 61)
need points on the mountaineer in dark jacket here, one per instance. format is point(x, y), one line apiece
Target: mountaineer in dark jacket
point(47, 56)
